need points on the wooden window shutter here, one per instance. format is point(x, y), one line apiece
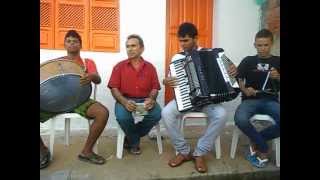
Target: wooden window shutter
point(71, 14)
point(104, 26)
point(46, 23)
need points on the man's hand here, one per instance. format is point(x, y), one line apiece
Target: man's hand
point(233, 71)
point(86, 79)
point(250, 91)
point(274, 74)
point(149, 103)
point(170, 81)
point(130, 105)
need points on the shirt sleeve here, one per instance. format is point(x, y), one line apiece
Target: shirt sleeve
point(91, 66)
point(155, 80)
point(115, 78)
point(242, 69)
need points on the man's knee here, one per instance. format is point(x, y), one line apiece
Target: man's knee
point(99, 112)
point(221, 114)
point(241, 121)
point(165, 112)
point(156, 118)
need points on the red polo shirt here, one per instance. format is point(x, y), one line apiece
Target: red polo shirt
point(90, 64)
point(134, 83)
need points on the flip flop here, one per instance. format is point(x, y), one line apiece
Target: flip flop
point(92, 158)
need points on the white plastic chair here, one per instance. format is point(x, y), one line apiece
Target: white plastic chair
point(237, 132)
point(200, 115)
point(121, 136)
point(67, 117)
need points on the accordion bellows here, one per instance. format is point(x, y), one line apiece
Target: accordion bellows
point(202, 79)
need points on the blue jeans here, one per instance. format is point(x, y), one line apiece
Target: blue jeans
point(250, 107)
point(135, 131)
point(216, 122)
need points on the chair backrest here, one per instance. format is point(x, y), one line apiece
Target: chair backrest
point(195, 115)
point(261, 121)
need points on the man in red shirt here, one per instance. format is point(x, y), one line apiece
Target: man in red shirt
point(90, 109)
point(133, 81)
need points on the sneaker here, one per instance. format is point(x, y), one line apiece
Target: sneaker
point(252, 151)
point(257, 161)
point(135, 150)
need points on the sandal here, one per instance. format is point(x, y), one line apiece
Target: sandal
point(179, 159)
point(92, 158)
point(44, 159)
point(200, 164)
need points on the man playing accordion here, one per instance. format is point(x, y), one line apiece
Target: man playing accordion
point(188, 36)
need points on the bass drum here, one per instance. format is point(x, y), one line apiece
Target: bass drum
point(60, 89)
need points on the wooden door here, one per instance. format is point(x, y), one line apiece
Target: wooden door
point(198, 12)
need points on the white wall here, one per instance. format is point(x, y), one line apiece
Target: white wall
point(235, 24)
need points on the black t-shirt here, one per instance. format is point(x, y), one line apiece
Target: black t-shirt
point(254, 71)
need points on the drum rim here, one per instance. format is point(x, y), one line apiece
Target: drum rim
point(64, 74)
point(52, 60)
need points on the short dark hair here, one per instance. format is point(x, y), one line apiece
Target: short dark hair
point(187, 28)
point(136, 36)
point(73, 33)
point(264, 33)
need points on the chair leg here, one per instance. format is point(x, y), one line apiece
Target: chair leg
point(234, 143)
point(159, 140)
point(218, 148)
point(52, 133)
point(120, 141)
point(277, 142)
point(67, 131)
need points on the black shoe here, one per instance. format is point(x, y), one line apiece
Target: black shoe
point(44, 158)
point(126, 144)
point(135, 150)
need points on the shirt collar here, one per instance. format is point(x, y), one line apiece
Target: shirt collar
point(142, 61)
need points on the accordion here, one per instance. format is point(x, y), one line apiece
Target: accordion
point(202, 79)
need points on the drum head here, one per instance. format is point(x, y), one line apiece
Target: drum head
point(63, 93)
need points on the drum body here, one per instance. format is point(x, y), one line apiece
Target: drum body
point(60, 89)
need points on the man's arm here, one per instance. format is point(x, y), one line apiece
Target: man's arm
point(150, 101)
point(153, 94)
point(128, 104)
point(247, 91)
point(233, 71)
point(88, 78)
point(170, 81)
point(274, 74)
point(95, 78)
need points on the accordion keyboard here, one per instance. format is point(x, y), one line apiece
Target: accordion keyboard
point(182, 91)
